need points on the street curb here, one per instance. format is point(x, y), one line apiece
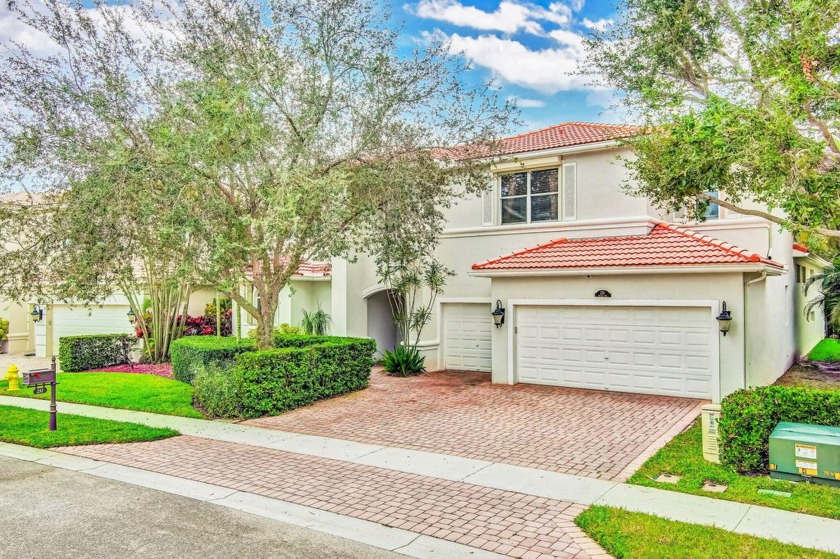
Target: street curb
point(406, 543)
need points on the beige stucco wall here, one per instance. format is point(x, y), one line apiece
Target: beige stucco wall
point(19, 326)
point(810, 329)
point(199, 299)
point(307, 296)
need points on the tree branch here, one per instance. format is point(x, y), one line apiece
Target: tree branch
point(763, 214)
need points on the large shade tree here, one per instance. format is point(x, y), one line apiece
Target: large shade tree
point(741, 99)
point(291, 130)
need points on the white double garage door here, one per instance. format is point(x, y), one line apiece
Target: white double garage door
point(666, 350)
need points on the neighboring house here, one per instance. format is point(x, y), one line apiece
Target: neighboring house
point(38, 332)
point(601, 290)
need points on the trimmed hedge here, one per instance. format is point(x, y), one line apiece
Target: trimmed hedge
point(749, 416)
point(303, 370)
point(192, 354)
point(82, 353)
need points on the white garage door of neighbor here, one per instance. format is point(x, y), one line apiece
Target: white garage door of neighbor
point(648, 350)
point(81, 321)
point(467, 328)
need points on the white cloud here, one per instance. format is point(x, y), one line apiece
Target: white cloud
point(527, 103)
point(12, 29)
point(547, 70)
point(599, 25)
point(510, 17)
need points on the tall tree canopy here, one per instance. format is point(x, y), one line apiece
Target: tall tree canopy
point(289, 129)
point(741, 99)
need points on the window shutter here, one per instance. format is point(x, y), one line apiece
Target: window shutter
point(570, 191)
point(487, 206)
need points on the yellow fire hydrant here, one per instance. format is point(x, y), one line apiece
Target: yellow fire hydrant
point(12, 377)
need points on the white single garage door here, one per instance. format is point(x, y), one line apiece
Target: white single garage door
point(467, 328)
point(649, 350)
point(81, 321)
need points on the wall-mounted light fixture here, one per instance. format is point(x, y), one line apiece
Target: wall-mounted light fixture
point(498, 314)
point(132, 316)
point(724, 319)
point(37, 313)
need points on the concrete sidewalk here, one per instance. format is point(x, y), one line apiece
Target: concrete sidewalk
point(800, 529)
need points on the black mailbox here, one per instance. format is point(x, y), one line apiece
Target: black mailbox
point(38, 376)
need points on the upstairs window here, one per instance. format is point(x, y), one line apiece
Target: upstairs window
point(530, 197)
point(713, 210)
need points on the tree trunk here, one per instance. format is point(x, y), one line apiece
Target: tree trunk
point(265, 326)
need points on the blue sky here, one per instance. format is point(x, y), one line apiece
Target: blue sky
point(531, 50)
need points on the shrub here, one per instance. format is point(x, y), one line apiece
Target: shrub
point(281, 330)
point(4, 329)
point(219, 397)
point(193, 353)
point(404, 361)
point(303, 370)
point(749, 416)
point(82, 353)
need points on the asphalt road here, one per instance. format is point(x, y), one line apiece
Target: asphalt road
point(49, 513)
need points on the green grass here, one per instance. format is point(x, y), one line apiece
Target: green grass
point(827, 350)
point(31, 428)
point(683, 456)
point(120, 390)
point(633, 535)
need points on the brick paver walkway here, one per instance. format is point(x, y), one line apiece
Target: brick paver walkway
point(504, 522)
point(583, 432)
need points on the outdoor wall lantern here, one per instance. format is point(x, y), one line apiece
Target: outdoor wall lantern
point(132, 316)
point(724, 319)
point(37, 313)
point(498, 314)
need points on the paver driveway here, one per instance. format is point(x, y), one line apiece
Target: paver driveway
point(585, 432)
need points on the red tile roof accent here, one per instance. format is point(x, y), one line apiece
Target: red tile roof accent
point(565, 135)
point(665, 245)
point(800, 247)
point(314, 269)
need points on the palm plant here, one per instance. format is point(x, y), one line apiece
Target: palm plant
point(828, 298)
point(316, 323)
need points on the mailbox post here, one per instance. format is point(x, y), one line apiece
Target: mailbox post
point(39, 379)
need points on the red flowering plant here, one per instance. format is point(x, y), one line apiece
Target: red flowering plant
point(201, 325)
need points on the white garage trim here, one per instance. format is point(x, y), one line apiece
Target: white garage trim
point(711, 304)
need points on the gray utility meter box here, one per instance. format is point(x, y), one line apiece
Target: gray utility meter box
point(802, 452)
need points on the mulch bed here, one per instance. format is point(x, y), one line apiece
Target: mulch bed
point(161, 370)
point(812, 374)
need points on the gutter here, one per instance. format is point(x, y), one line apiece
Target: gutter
point(764, 269)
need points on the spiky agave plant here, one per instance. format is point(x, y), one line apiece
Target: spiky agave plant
point(403, 361)
point(316, 323)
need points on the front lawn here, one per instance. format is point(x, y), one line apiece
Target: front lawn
point(120, 390)
point(30, 427)
point(683, 456)
point(827, 350)
point(633, 535)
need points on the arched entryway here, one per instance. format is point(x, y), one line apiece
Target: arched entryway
point(380, 322)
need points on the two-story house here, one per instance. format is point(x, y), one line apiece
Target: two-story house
point(600, 289)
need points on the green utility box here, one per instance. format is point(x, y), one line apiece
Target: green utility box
point(802, 452)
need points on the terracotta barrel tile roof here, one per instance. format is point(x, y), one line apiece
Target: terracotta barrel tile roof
point(314, 269)
point(665, 245)
point(562, 135)
point(565, 135)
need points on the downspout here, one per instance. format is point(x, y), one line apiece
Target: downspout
point(760, 278)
